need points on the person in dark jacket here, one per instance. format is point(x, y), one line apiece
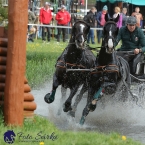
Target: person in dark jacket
point(31, 19)
point(133, 39)
point(90, 19)
point(124, 16)
point(101, 22)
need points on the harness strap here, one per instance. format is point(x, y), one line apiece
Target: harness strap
point(70, 64)
point(62, 64)
point(104, 71)
point(106, 68)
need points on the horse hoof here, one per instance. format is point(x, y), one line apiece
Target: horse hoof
point(71, 113)
point(82, 121)
point(92, 107)
point(67, 107)
point(48, 98)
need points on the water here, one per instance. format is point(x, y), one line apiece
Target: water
point(126, 118)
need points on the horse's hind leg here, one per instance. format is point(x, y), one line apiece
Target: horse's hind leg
point(49, 98)
point(77, 100)
point(67, 105)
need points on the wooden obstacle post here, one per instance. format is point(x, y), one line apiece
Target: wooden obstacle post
point(16, 59)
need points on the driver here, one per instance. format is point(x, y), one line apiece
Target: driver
point(133, 39)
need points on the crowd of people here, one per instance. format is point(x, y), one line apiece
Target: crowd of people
point(130, 32)
point(46, 16)
point(63, 17)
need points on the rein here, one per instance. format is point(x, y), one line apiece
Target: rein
point(65, 65)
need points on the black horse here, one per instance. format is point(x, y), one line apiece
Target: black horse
point(110, 69)
point(75, 56)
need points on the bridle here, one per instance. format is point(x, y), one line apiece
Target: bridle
point(109, 40)
point(81, 34)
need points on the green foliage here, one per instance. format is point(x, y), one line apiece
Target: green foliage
point(3, 14)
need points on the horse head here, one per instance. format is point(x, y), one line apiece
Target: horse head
point(110, 31)
point(79, 33)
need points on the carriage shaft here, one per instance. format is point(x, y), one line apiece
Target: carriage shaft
point(67, 70)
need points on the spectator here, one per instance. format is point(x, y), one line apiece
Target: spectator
point(90, 19)
point(39, 32)
point(31, 19)
point(101, 22)
point(138, 16)
point(117, 12)
point(62, 18)
point(45, 19)
point(124, 16)
point(31, 34)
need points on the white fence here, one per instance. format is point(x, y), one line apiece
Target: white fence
point(54, 26)
point(4, 3)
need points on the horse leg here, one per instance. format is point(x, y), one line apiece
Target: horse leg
point(77, 100)
point(67, 104)
point(49, 98)
point(91, 103)
point(90, 107)
point(86, 109)
point(63, 96)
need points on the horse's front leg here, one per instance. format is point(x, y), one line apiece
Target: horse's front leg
point(67, 105)
point(49, 98)
point(91, 103)
point(78, 99)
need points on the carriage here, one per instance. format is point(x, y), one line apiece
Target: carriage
point(78, 66)
point(138, 65)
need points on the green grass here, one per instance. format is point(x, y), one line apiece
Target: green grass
point(41, 126)
point(41, 59)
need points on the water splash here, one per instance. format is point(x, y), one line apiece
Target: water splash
point(111, 114)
